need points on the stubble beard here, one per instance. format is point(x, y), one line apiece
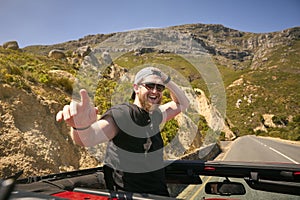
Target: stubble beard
point(146, 105)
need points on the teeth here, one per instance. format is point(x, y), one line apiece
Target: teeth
point(152, 97)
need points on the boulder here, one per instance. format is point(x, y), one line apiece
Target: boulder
point(11, 45)
point(82, 51)
point(62, 74)
point(204, 153)
point(56, 54)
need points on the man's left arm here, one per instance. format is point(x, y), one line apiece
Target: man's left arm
point(179, 101)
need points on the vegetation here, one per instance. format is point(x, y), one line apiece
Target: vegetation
point(271, 89)
point(169, 131)
point(29, 72)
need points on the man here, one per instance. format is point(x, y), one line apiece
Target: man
point(134, 157)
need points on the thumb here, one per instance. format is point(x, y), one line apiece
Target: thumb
point(85, 99)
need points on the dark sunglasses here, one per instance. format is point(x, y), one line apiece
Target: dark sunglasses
point(151, 86)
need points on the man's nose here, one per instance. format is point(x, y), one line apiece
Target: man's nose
point(155, 89)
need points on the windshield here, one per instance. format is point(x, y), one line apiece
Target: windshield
point(243, 107)
point(248, 150)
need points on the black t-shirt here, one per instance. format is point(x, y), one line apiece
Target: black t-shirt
point(136, 152)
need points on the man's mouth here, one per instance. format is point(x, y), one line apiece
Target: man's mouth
point(152, 98)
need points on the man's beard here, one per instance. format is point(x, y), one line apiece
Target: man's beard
point(148, 106)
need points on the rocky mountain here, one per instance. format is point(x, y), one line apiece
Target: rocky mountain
point(256, 76)
point(233, 48)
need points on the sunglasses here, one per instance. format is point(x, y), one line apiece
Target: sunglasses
point(151, 86)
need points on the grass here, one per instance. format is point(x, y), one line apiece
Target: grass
point(29, 72)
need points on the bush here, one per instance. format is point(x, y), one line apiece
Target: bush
point(236, 131)
point(202, 126)
point(169, 131)
point(66, 84)
point(296, 119)
point(222, 136)
point(261, 133)
point(280, 120)
point(44, 78)
point(277, 133)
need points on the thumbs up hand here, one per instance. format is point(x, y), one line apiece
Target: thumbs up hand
point(79, 115)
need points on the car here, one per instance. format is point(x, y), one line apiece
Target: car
point(219, 180)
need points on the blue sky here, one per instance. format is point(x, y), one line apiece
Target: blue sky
point(32, 22)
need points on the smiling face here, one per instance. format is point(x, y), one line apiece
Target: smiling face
point(147, 96)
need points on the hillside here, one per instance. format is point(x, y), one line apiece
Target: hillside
point(260, 76)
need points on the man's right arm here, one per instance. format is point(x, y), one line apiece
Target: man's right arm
point(99, 132)
point(82, 116)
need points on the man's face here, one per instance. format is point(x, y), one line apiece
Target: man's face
point(150, 92)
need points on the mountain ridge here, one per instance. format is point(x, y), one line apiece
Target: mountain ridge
point(230, 47)
point(260, 74)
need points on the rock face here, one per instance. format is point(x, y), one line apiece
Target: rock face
point(230, 47)
point(31, 139)
point(236, 48)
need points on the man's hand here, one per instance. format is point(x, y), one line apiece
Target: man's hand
point(79, 114)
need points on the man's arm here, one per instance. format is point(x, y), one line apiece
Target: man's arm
point(99, 132)
point(178, 104)
point(82, 117)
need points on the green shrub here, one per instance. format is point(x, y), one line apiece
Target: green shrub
point(236, 131)
point(222, 136)
point(261, 133)
point(64, 83)
point(280, 120)
point(103, 94)
point(296, 119)
point(44, 78)
point(169, 131)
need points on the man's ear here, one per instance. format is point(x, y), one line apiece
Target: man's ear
point(135, 88)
